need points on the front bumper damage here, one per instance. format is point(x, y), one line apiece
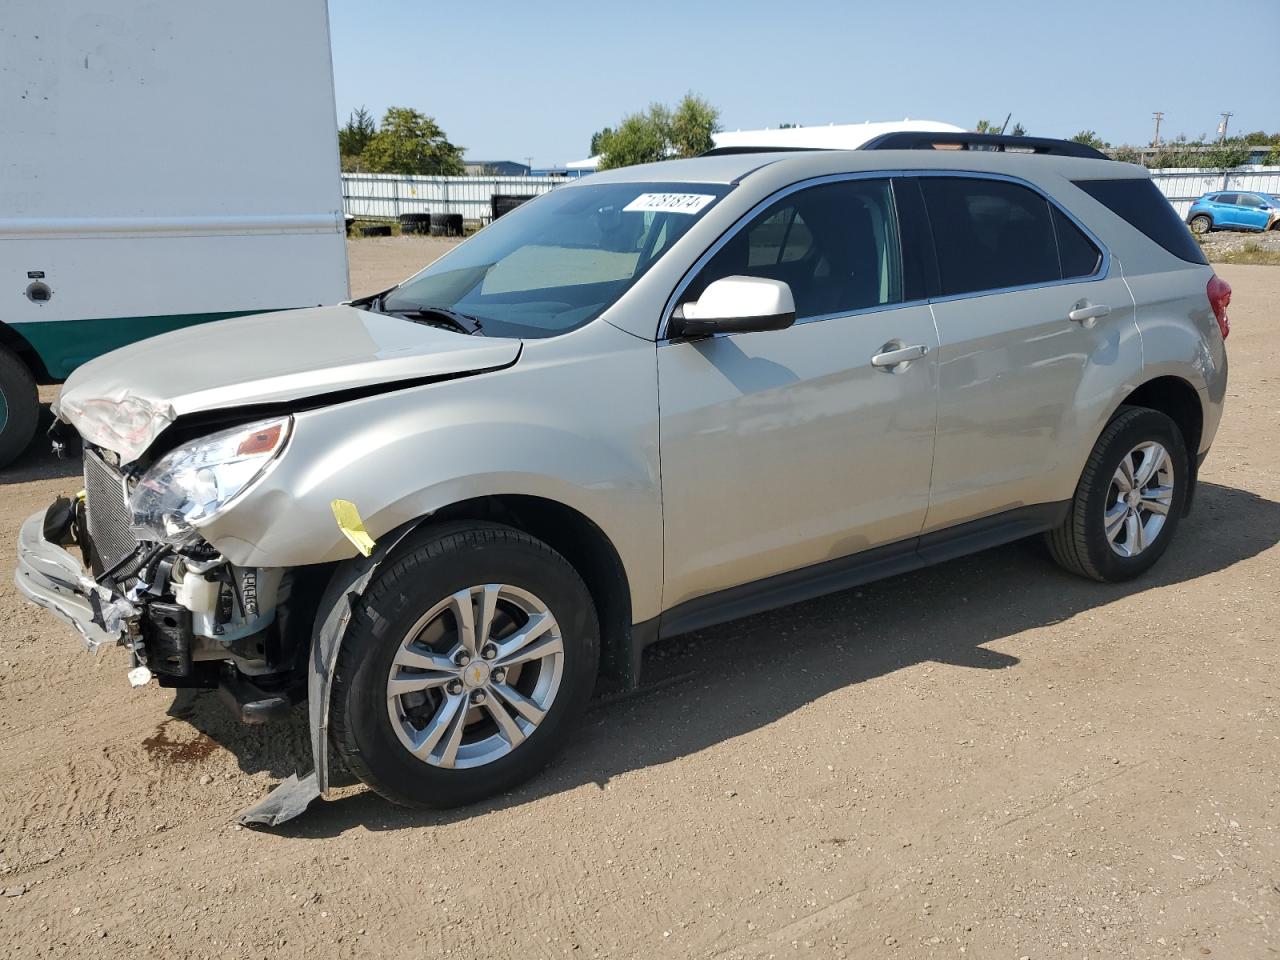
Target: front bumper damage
point(49, 576)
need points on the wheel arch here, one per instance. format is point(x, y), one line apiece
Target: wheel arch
point(589, 551)
point(1177, 399)
point(21, 347)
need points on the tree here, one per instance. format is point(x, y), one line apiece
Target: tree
point(354, 136)
point(986, 126)
point(1018, 130)
point(660, 133)
point(597, 139)
point(411, 143)
point(1090, 139)
point(692, 126)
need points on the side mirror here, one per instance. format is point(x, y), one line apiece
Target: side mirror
point(736, 305)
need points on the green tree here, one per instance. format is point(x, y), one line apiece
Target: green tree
point(1090, 139)
point(692, 126)
point(1226, 153)
point(597, 139)
point(986, 126)
point(409, 142)
point(354, 136)
point(1018, 130)
point(1127, 154)
point(660, 133)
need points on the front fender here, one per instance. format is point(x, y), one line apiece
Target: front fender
point(575, 423)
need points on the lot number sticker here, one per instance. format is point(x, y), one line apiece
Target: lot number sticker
point(669, 202)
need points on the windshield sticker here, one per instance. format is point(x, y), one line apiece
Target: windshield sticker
point(669, 202)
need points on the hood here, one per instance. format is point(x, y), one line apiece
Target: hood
point(124, 399)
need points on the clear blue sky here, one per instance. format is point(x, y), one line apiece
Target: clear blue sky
point(534, 79)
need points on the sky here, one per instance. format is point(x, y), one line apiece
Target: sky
point(512, 81)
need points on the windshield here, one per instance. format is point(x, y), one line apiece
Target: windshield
point(557, 262)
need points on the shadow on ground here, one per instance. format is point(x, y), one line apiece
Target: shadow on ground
point(718, 683)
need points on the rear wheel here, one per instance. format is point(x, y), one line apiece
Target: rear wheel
point(464, 666)
point(19, 406)
point(1129, 499)
point(1200, 225)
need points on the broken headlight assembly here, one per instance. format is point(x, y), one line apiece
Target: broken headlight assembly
point(198, 480)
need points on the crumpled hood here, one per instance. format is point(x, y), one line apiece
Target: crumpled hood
point(124, 399)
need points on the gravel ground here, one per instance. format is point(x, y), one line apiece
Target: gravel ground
point(988, 759)
point(1226, 244)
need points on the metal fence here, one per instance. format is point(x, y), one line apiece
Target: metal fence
point(381, 196)
point(1183, 186)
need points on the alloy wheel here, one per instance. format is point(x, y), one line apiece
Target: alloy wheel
point(1139, 499)
point(475, 676)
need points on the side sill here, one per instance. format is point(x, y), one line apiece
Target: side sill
point(845, 572)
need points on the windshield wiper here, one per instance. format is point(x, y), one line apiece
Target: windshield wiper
point(464, 322)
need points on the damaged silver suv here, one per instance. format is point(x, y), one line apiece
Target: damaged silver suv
point(652, 400)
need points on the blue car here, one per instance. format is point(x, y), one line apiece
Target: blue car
point(1234, 210)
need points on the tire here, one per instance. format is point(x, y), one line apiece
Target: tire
point(19, 406)
point(1082, 544)
point(1200, 225)
point(371, 730)
point(415, 222)
point(375, 231)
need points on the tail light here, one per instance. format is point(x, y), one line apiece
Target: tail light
point(1219, 292)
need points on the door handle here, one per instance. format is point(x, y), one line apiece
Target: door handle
point(1087, 314)
point(893, 353)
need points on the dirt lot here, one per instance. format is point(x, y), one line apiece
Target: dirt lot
point(989, 759)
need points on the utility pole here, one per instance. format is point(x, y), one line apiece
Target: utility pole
point(1159, 115)
point(1222, 130)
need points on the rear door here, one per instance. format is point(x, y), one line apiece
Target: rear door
point(1028, 300)
point(784, 449)
point(1226, 212)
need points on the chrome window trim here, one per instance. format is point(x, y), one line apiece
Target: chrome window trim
point(1102, 272)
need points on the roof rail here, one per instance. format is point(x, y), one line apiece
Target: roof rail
point(1000, 143)
point(732, 151)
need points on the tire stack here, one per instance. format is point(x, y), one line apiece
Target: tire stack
point(415, 223)
point(379, 230)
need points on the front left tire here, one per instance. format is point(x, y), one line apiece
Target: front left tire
point(467, 660)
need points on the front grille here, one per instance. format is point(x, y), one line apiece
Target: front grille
point(106, 513)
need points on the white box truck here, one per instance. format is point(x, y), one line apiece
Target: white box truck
point(161, 164)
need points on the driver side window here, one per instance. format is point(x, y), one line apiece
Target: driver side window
point(836, 245)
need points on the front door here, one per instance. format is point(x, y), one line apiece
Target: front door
point(784, 449)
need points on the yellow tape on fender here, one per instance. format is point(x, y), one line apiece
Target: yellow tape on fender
point(352, 527)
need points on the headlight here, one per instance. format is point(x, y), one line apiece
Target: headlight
point(195, 482)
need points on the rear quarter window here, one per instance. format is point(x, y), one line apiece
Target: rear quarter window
point(1141, 204)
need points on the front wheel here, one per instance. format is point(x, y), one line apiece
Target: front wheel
point(464, 665)
point(1129, 499)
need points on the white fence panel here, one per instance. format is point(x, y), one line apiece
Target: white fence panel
point(1183, 186)
point(380, 196)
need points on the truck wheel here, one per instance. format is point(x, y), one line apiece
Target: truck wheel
point(1201, 225)
point(19, 406)
point(465, 663)
point(1128, 501)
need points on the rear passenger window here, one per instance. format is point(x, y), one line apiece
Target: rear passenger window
point(1076, 252)
point(1140, 202)
point(990, 234)
point(836, 246)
